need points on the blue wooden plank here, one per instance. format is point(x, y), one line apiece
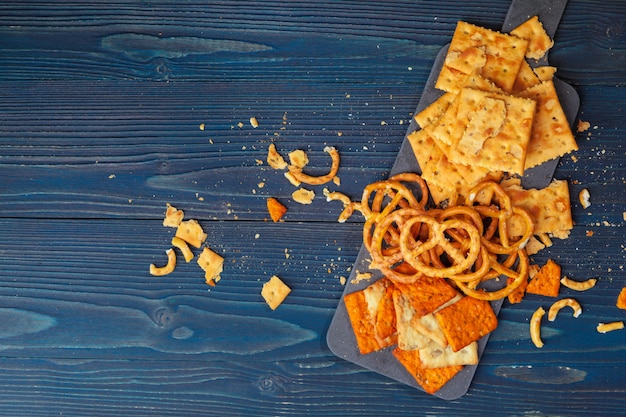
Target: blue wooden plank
point(100, 108)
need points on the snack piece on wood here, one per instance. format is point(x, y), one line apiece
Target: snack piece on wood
point(191, 232)
point(539, 42)
point(466, 321)
point(274, 292)
point(303, 196)
point(551, 135)
point(276, 209)
point(212, 264)
point(547, 281)
point(173, 216)
point(621, 299)
point(430, 379)
point(518, 294)
point(274, 159)
point(372, 332)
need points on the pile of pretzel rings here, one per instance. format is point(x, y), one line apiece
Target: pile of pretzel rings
point(468, 243)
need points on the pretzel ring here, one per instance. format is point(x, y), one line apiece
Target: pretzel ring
point(461, 259)
point(518, 278)
point(385, 258)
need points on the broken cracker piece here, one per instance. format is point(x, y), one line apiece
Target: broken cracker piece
point(274, 159)
point(303, 196)
point(173, 216)
point(276, 209)
point(212, 264)
point(191, 232)
point(547, 281)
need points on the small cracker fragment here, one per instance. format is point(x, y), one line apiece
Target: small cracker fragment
point(551, 134)
point(276, 209)
point(539, 42)
point(466, 321)
point(518, 294)
point(303, 196)
point(191, 232)
point(212, 264)
point(582, 126)
point(585, 198)
point(298, 158)
point(173, 216)
point(547, 281)
point(430, 379)
point(274, 292)
point(621, 299)
point(545, 73)
point(274, 159)
point(363, 307)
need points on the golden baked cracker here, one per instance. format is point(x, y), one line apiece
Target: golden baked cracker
point(191, 232)
point(539, 42)
point(434, 110)
point(503, 55)
point(621, 299)
point(173, 216)
point(547, 281)
point(212, 264)
point(545, 72)
point(506, 151)
point(430, 379)
point(274, 292)
point(362, 308)
point(409, 336)
point(450, 80)
point(434, 356)
point(526, 78)
point(485, 122)
point(549, 208)
point(422, 145)
point(466, 321)
point(551, 135)
point(427, 294)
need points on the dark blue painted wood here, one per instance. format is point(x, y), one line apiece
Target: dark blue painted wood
point(100, 108)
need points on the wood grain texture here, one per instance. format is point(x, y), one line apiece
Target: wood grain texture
point(101, 105)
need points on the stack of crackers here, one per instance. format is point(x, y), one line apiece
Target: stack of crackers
point(497, 115)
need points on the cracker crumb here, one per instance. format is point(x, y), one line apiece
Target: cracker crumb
point(303, 196)
point(201, 127)
point(361, 276)
point(584, 198)
point(582, 126)
point(254, 122)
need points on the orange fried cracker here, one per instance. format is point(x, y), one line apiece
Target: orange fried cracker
point(621, 299)
point(430, 379)
point(547, 281)
point(518, 294)
point(276, 209)
point(466, 321)
point(427, 294)
point(363, 307)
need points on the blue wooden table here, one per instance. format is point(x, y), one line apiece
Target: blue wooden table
point(111, 109)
